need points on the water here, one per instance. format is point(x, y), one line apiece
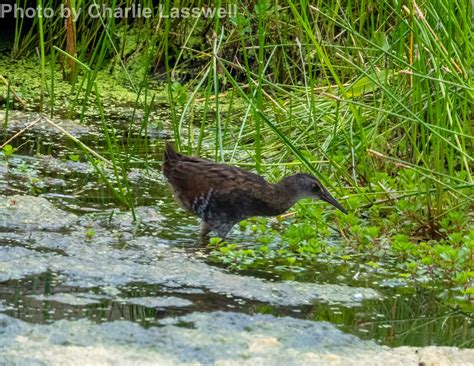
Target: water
point(155, 270)
point(417, 319)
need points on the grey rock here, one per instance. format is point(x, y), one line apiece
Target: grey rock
point(18, 121)
point(28, 213)
point(217, 338)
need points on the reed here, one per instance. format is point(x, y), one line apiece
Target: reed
point(370, 90)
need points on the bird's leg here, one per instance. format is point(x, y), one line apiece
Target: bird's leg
point(205, 229)
point(221, 230)
point(224, 230)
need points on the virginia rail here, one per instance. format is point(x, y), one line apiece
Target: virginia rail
point(222, 195)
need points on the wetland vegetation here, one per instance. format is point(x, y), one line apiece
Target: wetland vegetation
point(374, 98)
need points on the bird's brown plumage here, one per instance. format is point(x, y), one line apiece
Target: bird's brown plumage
point(192, 177)
point(222, 195)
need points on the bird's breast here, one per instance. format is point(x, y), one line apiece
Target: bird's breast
point(230, 206)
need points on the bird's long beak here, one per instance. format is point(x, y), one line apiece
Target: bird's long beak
point(326, 196)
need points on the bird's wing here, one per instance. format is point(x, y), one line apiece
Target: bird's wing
point(194, 177)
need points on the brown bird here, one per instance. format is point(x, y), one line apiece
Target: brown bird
point(222, 195)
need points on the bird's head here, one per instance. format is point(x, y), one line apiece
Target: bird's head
point(304, 185)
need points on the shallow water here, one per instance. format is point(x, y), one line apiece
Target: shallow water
point(68, 253)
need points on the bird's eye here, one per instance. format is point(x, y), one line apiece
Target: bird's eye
point(314, 188)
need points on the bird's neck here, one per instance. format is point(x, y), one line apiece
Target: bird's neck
point(284, 195)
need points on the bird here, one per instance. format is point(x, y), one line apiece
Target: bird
point(222, 195)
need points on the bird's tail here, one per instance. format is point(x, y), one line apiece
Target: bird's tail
point(170, 152)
